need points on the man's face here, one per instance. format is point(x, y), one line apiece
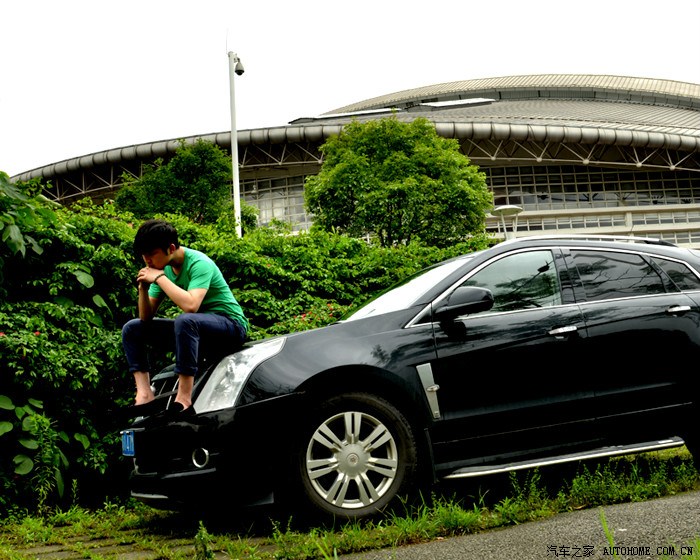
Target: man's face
point(158, 258)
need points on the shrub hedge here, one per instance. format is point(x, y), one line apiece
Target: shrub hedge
point(61, 364)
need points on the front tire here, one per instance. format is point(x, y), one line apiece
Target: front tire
point(357, 456)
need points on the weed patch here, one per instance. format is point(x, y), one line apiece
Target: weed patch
point(529, 496)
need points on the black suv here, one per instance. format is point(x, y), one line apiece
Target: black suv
point(537, 350)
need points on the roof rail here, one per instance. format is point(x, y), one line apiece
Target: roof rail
point(593, 237)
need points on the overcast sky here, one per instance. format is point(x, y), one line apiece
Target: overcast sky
point(82, 76)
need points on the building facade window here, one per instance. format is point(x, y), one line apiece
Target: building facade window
point(279, 199)
point(558, 187)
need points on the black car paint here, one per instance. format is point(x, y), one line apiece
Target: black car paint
point(508, 387)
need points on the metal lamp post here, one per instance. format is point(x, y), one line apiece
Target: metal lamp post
point(511, 211)
point(235, 67)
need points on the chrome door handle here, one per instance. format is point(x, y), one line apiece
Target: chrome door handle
point(678, 309)
point(560, 331)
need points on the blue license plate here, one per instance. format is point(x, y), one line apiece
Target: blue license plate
point(128, 443)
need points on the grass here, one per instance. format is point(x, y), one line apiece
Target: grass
point(450, 511)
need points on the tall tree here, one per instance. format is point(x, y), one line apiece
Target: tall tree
point(399, 182)
point(196, 183)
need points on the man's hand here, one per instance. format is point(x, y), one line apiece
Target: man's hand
point(187, 301)
point(148, 275)
point(146, 304)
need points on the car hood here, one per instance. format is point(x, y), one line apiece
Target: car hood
point(365, 343)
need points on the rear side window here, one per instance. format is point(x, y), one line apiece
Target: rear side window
point(684, 278)
point(520, 281)
point(610, 275)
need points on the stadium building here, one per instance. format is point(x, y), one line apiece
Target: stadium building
point(567, 153)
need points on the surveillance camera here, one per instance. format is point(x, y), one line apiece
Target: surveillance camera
point(239, 68)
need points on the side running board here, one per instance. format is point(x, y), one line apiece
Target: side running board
point(598, 453)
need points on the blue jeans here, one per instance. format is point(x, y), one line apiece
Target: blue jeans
point(191, 336)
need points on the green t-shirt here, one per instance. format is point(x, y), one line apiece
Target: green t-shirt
point(199, 271)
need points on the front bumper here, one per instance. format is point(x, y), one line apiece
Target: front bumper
point(236, 457)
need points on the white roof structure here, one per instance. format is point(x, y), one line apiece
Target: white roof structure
point(515, 128)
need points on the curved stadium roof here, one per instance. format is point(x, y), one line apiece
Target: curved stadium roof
point(584, 86)
point(577, 110)
point(573, 108)
point(579, 153)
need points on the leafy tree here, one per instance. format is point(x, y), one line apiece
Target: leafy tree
point(195, 183)
point(22, 211)
point(399, 182)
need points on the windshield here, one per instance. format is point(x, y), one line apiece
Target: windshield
point(408, 292)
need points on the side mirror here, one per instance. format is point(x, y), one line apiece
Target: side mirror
point(464, 300)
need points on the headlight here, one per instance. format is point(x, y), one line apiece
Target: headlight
point(226, 381)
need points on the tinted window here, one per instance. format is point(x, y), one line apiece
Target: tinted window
point(520, 281)
point(407, 293)
point(682, 276)
point(609, 275)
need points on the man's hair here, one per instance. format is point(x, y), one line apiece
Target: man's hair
point(155, 234)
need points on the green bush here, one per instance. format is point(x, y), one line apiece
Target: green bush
point(61, 359)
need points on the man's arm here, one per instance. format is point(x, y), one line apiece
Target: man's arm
point(146, 304)
point(188, 301)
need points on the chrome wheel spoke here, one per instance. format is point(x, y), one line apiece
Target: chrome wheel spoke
point(353, 425)
point(385, 467)
point(336, 493)
point(377, 438)
point(321, 467)
point(326, 437)
point(368, 493)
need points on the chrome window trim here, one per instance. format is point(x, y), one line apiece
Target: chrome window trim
point(635, 249)
point(414, 322)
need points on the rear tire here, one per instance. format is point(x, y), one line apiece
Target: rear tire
point(357, 455)
point(692, 444)
point(691, 435)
